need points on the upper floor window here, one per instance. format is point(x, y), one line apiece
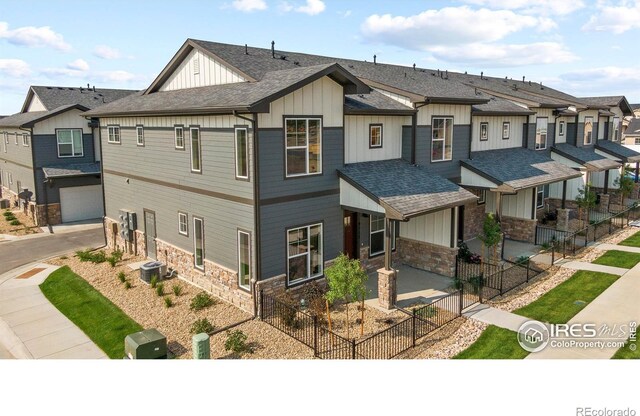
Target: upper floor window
point(15, 139)
point(303, 146)
point(637, 140)
point(242, 153)
point(114, 134)
point(441, 139)
point(506, 130)
point(375, 135)
point(196, 156)
point(561, 129)
point(140, 135)
point(542, 191)
point(70, 143)
point(179, 137)
point(244, 259)
point(484, 131)
point(183, 223)
point(541, 133)
point(616, 127)
point(5, 140)
point(482, 195)
point(304, 253)
point(588, 130)
point(25, 139)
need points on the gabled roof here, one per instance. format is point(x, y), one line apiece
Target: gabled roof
point(53, 97)
point(374, 103)
point(242, 96)
point(518, 168)
point(633, 129)
point(617, 150)
point(610, 101)
point(72, 170)
point(31, 118)
point(500, 107)
point(585, 156)
point(404, 190)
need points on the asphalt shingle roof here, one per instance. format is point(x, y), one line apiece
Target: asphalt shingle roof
point(500, 106)
point(633, 128)
point(373, 102)
point(72, 169)
point(519, 168)
point(606, 101)
point(22, 119)
point(617, 150)
point(53, 97)
point(405, 189)
point(585, 156)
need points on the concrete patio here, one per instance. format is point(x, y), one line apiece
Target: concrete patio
point(512, 249)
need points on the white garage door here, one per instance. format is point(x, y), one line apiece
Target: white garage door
point(81, 203)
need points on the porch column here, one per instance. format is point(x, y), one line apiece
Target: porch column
point(387, 243)
point(498, 206)
point(637, 171)
point(387, 288)
point(564, 194)
point(606, 181)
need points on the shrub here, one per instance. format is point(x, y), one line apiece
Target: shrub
point(127, 285)
point(477, 282)
point(200, 301)
point(466, 254)
point(112, 261)
point(94, 257)
point(115, 257)
point(160, 289)
point(177, 290)
point(10, 218)
point(153, 281)
point(7, 213)
point(522, 260)
point(426, 311)
point(168, 302)
point(313, 294)
point(236, 342)
point(63, 257)
point(15, 222)
point(122, 277)
point(201, 326)
point(287, 309)
point(457, 283)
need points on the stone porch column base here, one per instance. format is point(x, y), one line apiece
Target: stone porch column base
point(604, 203)
point(563, 219)
point(387, 288)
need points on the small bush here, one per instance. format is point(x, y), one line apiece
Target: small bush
point(160, 289)
point(313, 294)
point(122, 277)
point(202, 326)
point(200, 301)
point(127, 285)
point(153, 281)
point(15, 222)
point(117, 254)
point(112, 261)
point(7, 213)
point(177, 290)
point(477, 282)
point(522, 260)
point(92, 256)
point(168, 302)
point(427, 311)
point(64, 258)
point(287, 310)
point(236, 342)
point(458, 283)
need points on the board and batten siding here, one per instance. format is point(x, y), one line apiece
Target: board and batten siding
point(566, 120)
point(461, 113)
point(573, 185)
point(323, 97)
point(36, 104)
point(597, 178)
point(398, 97)
point(209, 72)
point(434, 228)
point(356, 132)
point(495, 140)
point(353, 198)
point(72, 119)
point(215, 122)
point(518, 205)
point(470, 178)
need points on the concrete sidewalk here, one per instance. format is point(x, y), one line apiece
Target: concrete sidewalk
point(30, 326)
point(583, 265)
point(617, 247)
point(494, 316)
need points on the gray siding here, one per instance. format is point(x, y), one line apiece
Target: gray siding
point(571, 133)
point(607, 133)
point(46, 151)
point(53, 186)
point(594, 136)
point(530, 135)
point(406, 143)
point(19, 173)
point(447, 169)
point(17, 160)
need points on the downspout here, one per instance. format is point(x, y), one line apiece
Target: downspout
point(414, 128)
point(35, 180)
point(104, 197)
point(471, 132)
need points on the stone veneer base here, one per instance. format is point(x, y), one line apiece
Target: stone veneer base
point(426, 256)
point(519, 229)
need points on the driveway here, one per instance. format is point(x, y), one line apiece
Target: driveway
point(20, 252)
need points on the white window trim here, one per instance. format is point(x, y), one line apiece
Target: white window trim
point(10, 175)
point(195, 257)
point(15, 138)
point(5, 141)
point(306, 147)
point(25, 139)
point(139, 134)
point(540, 190)
point(482, 197)
point(307, 254)
point(384, 240)
point(616, 128)
point(186, 223)
point(246, 148)
point(561, 128)
point(584, 133)
point(371, 128)
point(112, 132)
point(637, 140)
point(175, 136)
point(247, 287)
point(73, 149)
point(506, 128)
point(443, 140)
point(546, 134)
point(191, 129)
point(484, 126)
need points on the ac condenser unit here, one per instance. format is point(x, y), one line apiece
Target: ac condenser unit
point(152, 268)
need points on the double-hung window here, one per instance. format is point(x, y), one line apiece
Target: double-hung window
point(441, 139)
point(588, 130)
point(484, 131)
point(242, 153)
point(69, 142)
point(183, 223)
point(541, 191)
point(244, 259)
point(140, 135)
point(616, 128)
point(25, 139)
point(113, 134)
point(303, 146)
point(198, 242)
point(637, 140)
point(196, 156)
point(304, 253)
point(561, 129)
point(541, 133)
point(375, 135)
point(5, 141)
point(179, 137)
point(506, 130)
point(15, 139)
point(482, 195)
point(377, 240)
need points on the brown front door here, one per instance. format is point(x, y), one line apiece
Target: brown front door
point(351, 234)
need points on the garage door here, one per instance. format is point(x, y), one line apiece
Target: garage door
point(81, 203)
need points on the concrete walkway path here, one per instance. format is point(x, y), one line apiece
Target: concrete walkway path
point(617, 247)
point(30, 326)
point(583, 265)
point(493, 316)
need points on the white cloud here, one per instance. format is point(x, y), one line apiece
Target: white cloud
point(78, 65)
point(608, 80)
point(117, 76)
point(607, 74)
point(312, 7)
point(33, 37)
point(541, 7)
point(106, 52)
point(345, 14)
point(15, 68)
point(494, 55)
point(249, 5)
point(617, 19)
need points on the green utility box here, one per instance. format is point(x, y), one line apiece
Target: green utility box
point(147, 344)
point(201, 347)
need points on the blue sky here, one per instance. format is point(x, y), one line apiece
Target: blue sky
point(583, 47)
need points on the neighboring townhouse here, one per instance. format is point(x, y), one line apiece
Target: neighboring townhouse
point(631, 136)
point(50, 156)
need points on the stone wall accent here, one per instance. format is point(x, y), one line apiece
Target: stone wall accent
point(519, 229)
point(474, 215)
point(603, 206)
point(556, 204)
point(55, 215)
point(387, 288)
point(426, 256)
point(371, 264)
point(563, 219)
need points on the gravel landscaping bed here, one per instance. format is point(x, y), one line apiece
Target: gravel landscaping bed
point(27, 226)
point(374, 320)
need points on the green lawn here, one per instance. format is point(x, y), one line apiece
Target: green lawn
point(625, 353)
point(633, 241)
point(94, 314)
point(494, 343)
point(559, 305)
point(618, 258)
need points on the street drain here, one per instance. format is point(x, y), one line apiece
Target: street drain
point(30, 273)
